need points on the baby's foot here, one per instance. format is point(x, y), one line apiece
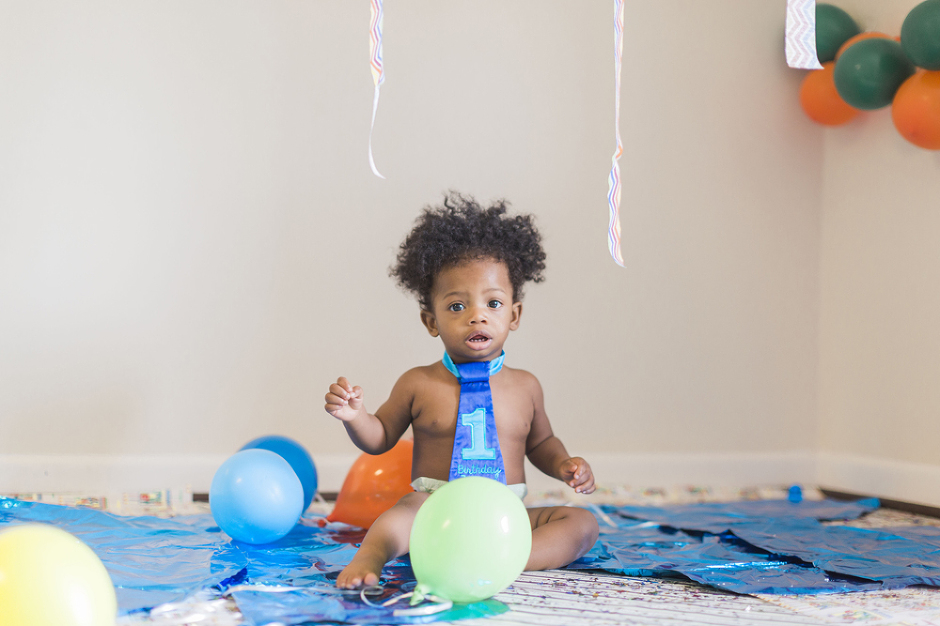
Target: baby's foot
point(363, 571)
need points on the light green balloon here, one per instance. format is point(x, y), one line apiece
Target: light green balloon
point(470, 540)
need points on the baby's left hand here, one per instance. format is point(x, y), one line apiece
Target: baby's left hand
point(577, 474)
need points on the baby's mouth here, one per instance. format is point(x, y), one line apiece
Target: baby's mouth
point(478, 338)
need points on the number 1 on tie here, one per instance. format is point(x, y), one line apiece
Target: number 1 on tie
point(477, 450)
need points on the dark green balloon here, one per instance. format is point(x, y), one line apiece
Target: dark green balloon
point(869, 72)
point(833, 28)
point(920, 35)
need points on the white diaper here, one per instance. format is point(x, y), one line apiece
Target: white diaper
point(430, 485)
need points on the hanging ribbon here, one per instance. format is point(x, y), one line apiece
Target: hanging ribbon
point(613, 181)
point(801, 35)
point(378, 72)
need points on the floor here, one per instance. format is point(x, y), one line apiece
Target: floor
point(571, 598)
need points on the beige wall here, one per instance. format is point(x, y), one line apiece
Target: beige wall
point(880, 284)
point(192, 245)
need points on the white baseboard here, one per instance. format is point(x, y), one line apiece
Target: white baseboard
point(104, 474)
point(739, 469)
point(117, 474)
point(107, 474)
point(908, 482)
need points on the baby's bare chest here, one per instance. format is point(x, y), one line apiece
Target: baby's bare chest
point(435, 411)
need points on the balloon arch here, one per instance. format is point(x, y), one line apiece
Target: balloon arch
point(865, 71)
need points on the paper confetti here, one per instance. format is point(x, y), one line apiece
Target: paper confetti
point(801, 35)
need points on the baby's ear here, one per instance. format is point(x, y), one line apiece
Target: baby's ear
point(516, 315)
point(430, 322)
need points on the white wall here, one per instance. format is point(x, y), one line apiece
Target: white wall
point(192, 245)
point(879, 404)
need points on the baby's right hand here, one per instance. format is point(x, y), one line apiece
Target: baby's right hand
point(344, 402)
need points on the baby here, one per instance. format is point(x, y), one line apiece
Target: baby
point(467, 266)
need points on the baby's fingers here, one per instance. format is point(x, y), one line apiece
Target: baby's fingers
point(568, 469)
point(335, 400)
point(337, 397)
point(340, 392)
point(344, 384)
point(579, 472)
point(585, 483)
point(588, 486)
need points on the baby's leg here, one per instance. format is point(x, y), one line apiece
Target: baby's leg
point(560, 535)
point(386, 539)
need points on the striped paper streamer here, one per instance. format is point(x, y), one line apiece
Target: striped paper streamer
point(613, 181)
point(801, 35)
point(378, 72)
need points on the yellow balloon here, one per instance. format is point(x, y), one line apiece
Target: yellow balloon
point(50, 578)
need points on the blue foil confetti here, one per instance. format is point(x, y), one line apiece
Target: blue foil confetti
point(882, 554)
point(770, 546)
point(720, 561)
point(717, 517)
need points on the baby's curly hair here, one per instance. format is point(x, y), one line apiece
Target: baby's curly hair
point(461, 230)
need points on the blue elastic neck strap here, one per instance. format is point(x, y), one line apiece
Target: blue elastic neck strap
point(495, 365)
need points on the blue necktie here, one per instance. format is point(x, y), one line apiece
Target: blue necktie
point(476, 445)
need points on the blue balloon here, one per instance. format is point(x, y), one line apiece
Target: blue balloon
point(256, 497)
point(296, 455)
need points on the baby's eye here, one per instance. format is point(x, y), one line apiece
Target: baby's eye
point(456, 306)
point(495, 304)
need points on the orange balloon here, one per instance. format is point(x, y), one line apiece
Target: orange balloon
point(916, 110)
point(374, 483)
point(820, 100)
point(859, 37)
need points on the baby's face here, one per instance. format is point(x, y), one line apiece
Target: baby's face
point(473, 310)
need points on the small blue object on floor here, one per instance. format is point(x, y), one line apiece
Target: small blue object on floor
point(795, 495)
point(768, 546)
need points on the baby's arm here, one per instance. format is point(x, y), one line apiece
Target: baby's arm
point(376, 433)
point(548, 454)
